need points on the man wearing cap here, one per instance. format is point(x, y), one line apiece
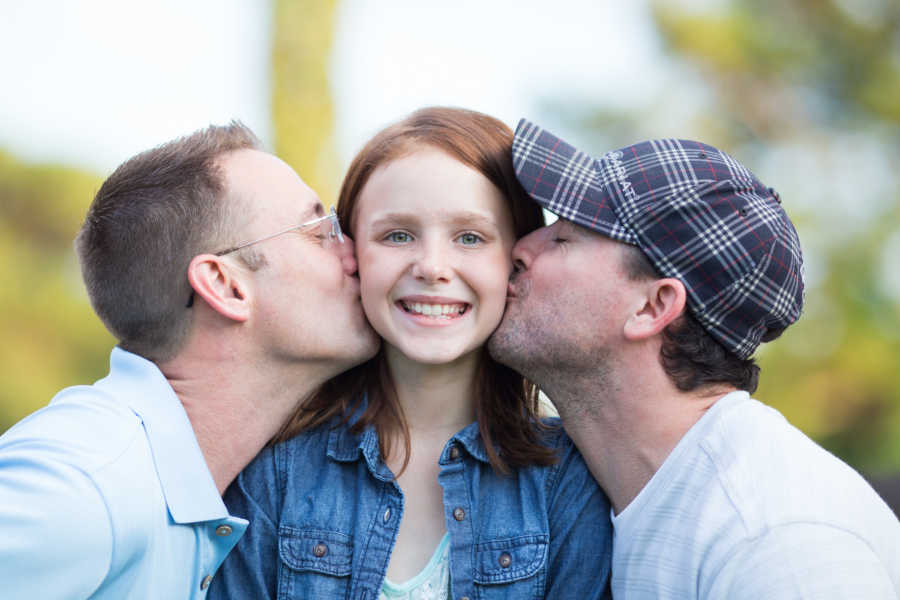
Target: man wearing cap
point(638, 313)
point(232, 296)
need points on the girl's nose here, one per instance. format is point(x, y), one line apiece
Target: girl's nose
point(432, 265)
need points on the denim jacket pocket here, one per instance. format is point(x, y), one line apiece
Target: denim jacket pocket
point(327, 552)
point(315, 563)
point(508, 560)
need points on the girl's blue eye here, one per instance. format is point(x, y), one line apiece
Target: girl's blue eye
point(469, 239)
point(398, 237)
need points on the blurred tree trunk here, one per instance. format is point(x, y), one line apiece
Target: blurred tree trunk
point(301, 97)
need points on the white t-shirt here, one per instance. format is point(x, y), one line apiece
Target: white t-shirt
point(747, 506)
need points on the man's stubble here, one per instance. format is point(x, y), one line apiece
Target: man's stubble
point(553, 347)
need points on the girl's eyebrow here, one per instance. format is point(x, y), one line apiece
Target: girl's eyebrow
point(474, 219)
point(461, 219)
point(392, 219)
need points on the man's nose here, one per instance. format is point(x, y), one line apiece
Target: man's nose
point(523, 251)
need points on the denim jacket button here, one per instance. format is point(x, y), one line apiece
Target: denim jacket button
point(320, 550)
point(387, 515)
point(464, 598)
point(505, 560)
point(459, 514)
point(454, 453)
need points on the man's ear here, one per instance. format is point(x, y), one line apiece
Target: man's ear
point(662, 302)
point(220, 286)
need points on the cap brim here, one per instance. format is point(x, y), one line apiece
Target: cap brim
point(565, 181)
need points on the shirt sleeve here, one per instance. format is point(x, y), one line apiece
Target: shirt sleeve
point(580, 553)
point(56, 539)
point(803, 560)
point(251, 569)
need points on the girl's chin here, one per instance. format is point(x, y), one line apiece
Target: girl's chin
point(429, 354)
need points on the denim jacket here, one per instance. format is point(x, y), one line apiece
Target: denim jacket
point(324, 511)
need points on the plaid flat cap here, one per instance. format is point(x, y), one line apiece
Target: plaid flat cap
point(697, 214)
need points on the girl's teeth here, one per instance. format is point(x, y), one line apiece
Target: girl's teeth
point(435, 310)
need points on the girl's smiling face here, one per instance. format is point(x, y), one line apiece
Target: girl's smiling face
point(433, 243)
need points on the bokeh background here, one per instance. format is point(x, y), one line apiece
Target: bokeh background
point(805, 92)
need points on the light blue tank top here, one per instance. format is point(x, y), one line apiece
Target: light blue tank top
point(432, 583)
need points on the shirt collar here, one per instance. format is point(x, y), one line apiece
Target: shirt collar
point(187, 484)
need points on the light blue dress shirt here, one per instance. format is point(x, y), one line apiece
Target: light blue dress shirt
point(105, 494)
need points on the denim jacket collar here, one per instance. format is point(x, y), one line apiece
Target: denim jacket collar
point(345, 446)
point(470, 438)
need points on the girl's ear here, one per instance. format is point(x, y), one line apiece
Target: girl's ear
point(663, 302)
point(220, 285)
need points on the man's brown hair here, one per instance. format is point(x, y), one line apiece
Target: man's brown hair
point(150, 217)
point(690, 356)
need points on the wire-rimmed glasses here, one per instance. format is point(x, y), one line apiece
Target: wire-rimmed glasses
point(330, 230)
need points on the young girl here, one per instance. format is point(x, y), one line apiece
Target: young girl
point(425, 472)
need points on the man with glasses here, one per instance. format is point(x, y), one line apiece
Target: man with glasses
point(232, 295)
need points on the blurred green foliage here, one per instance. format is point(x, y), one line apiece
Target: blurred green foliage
point(807, 94)
point(822, 80)
point(51, 337)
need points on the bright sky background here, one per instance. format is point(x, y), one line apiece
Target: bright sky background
point(504, 58)
point(92, 82)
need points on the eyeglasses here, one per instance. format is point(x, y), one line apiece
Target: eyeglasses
point(329, 231)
